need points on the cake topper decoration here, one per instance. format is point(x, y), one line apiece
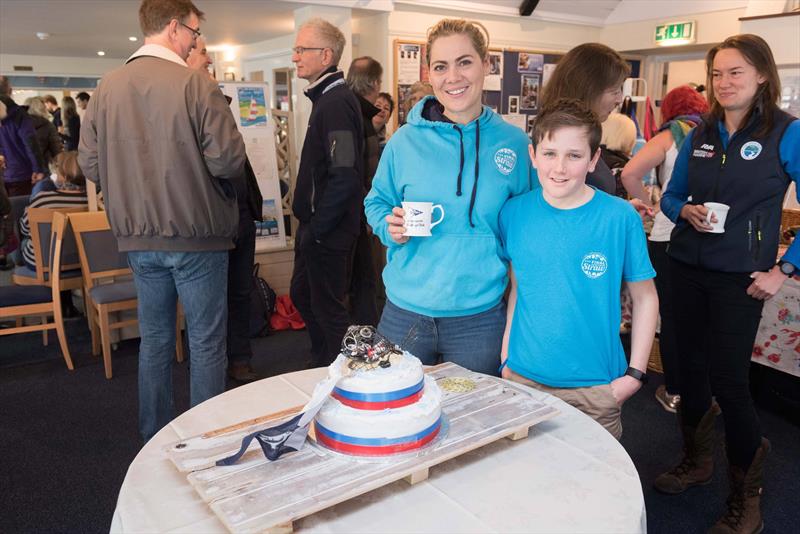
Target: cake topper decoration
point(365, 348)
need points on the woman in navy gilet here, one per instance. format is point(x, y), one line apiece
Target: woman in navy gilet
point(744, 155)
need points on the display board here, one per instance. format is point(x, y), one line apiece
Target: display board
point(512, 88)
point(250, 107)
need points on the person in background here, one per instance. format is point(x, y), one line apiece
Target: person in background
point(553, 341)
point(364, 79)
point(416, 92)
point(327, 197)
point(46, 133)
point(241, 257)
point(69, 192)
point(199, 58)
point(681, 111)
point(24, 163)
point(744, 154)
point(385, 104)
point(6, 225)
point(165, 165)
point(445, 291)
point(71, 124)
point(52, 106)
point(82, 100)
point(616, 145)
point(592, 73)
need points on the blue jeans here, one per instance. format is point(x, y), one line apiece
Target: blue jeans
point(199, 279)
point(471, 341)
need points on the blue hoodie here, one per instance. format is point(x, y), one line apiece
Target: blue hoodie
point(471, 170)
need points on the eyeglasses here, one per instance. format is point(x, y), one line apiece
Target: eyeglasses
point(195, 32)
point(300, 50)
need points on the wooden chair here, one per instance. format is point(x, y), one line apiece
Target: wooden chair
point(39, 222)
point(40, 300)
point(101, 261)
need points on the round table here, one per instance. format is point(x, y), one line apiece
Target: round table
point(568, 475)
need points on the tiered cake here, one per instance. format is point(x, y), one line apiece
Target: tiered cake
point(380, 410)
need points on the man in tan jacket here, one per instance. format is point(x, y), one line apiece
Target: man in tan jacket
point(162, 143)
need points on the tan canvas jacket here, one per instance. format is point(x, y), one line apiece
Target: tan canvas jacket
point(161, 141)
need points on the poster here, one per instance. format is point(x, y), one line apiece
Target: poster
point(530, 121)
point(530, 62)
point(408, 63)
point(252, 107)
point(517, 120)
point(493, 81)
point(529, 99)
point(249, 105)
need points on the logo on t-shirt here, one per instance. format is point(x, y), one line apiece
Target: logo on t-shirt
point(594, 265)
point(506, 160)
point(750, 150)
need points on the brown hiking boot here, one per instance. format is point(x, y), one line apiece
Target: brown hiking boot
point(744, 501)
point(697, 465)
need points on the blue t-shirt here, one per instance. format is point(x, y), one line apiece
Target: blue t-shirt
point(569, 266)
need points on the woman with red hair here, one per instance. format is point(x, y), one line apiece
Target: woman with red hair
point(680, 111)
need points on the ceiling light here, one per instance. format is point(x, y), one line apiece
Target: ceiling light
point(133, 39)
point(42, 35)
point(100, 53)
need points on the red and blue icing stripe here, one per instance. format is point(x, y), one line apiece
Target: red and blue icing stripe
point(379, 401)
point(376, 446)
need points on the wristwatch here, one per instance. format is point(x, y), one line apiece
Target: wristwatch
point(637, 374)
point(786, 268)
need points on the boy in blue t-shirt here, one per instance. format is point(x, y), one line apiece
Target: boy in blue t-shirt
point(571, 247)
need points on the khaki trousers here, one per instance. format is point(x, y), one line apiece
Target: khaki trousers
point(598, 402)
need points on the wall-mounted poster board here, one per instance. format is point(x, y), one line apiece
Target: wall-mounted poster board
point(250, 107)
point(512, 88)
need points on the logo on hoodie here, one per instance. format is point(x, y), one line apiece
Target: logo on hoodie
point(594, 265)
point(506, 160)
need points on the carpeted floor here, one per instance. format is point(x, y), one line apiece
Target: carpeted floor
point(67, 439)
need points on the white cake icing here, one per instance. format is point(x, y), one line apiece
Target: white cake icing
point(405, 371)
point(389, 423)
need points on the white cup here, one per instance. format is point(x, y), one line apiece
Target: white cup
point(417, 220)
point(721, 212)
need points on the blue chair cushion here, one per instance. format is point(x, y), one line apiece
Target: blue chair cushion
point(116, 292)
point(23, 295)
point(24, 270)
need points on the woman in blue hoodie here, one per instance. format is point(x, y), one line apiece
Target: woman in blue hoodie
point(445, 292)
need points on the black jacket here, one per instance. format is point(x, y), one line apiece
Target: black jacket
point(747, 176)
point(47, 135)
point(372, 151)
point(328, 194)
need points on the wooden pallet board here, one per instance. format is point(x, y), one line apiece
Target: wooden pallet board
point(256, 494)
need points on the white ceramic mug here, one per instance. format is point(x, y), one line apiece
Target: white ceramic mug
point(417, 220)
point(721, 212)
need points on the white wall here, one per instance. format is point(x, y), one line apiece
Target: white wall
point(58, 66)
point(711, 29)
point(782, 34)
point(267, 55)
point(684, 72)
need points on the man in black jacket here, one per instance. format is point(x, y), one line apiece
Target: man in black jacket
point(327, 198)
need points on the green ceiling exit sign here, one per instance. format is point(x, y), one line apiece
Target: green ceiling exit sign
point(675, 33)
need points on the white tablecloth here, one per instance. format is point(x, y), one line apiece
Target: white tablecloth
point(569, 475)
